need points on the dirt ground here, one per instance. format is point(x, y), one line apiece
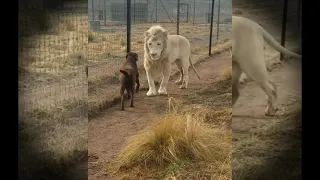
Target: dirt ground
point(108, 132)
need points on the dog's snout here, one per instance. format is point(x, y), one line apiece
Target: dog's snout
point(153, 54)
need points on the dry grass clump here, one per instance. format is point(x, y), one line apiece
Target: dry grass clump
point(179, 140)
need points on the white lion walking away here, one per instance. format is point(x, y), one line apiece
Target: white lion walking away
point(160, 51)
point(248, 57)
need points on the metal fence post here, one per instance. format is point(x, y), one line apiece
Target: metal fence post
point(187, 13)
point(178, 16)
point(134, 11)
point(92, 11)
point(105, 12)
point(284, 23)
point(156, 10)
point(194, 11)
point(128, 26)
point(211, 23)
point(218, 21)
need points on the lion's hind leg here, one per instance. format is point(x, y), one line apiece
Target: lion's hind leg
point(270, 89)
point(185, 68)
point(236, 73)
point(179, 65)
point(258, 72)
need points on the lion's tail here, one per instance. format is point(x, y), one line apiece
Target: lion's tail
point(270, 40)
point(194, 68)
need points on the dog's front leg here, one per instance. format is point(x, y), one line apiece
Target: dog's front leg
point(152, 88)
point(122, 97)
point(138, 83)
point(166, 75)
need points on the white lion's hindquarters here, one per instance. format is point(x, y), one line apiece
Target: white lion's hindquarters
point(248, 58)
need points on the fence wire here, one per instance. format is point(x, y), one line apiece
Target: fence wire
point(108, 39)
point(53, 89)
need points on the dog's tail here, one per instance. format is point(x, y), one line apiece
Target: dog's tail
point(125, 73)
point(192, 66)
point(270, 40)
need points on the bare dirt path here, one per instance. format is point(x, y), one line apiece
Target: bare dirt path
point(108, 132)
point(260, 141)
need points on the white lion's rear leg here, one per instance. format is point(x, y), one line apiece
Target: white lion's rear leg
point(254, 66)
point(185, 68)
point(236, 73)
point(258, 72)
point(243, 78)
point(270, 89)
point(178, 63)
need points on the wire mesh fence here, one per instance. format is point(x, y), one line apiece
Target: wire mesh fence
point(53, 90)
point(108, 35)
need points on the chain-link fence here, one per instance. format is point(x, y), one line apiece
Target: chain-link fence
point(108, 35)
point(53, 90)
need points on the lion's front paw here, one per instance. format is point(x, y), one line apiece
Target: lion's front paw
point(152, 93)
point(162, 92)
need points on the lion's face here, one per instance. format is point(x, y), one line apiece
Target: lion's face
point(155, 46)
point(156, 42)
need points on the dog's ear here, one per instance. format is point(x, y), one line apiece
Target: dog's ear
point(127, 55)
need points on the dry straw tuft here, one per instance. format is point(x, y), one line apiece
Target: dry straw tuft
point(175, 138)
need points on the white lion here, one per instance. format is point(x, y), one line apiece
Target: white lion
point(160, 51)
point(248, 57)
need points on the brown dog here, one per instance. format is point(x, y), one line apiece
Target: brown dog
point(129, 76)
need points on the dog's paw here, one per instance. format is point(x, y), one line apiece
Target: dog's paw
point(122, 109)
point(132, 105)
point(151, 93)
point(179, 81)
point(162, 92)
